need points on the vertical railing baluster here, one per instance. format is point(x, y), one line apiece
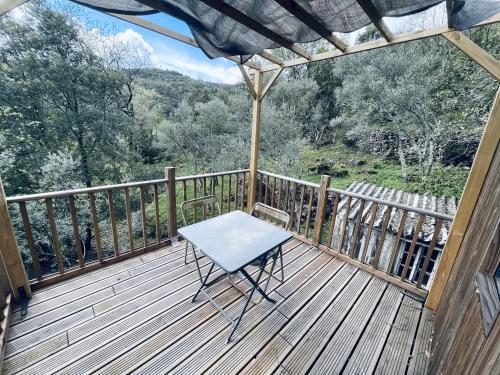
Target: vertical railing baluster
point(229, 194)
point(287, 188)
point(357, 227)
point(143, 215)
point(54, 235)
point(293, 194)
point(222, 194)
point(280, 187)
point(114, 232)
point(273, 189)
point(332, 220)
point(267, 189)
point(409, 256)
point(76, 231)
point(394, 251)
point(128, 210)
point(243, 191)
point(260, 187)
point(184, 191)
point(236, 190)
point(299, 221)
point(29, 239)
point(157, 213)
point(195, 211)
point(430, 249)
point(369, 230)
point(309, 209)
point(213, 181)
point(204, 182)
point(381, 239)
point(95, 224)
point(344, 223)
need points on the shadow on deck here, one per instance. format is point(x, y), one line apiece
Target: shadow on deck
point(137, 316)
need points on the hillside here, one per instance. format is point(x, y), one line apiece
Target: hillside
point(171, 86)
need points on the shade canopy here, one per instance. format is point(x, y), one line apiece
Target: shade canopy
point(248, 27)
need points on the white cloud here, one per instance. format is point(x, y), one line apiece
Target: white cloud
point(165, 57)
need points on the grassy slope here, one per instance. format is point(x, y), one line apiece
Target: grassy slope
point(447, 181)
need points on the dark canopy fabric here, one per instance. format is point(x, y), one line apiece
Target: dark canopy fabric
point(221, 36)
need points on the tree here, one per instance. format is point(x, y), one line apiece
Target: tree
point(73, 95)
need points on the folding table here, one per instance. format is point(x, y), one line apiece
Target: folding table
point(233, 241)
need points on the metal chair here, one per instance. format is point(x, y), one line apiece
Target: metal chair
point(194, 204)
point(282, 217)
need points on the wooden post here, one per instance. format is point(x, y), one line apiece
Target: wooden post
point(321, 210)
point(172, 202)
point(254, 147)
point(482, 161)
point(9, 251)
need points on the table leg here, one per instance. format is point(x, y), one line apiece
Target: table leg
point(255, 286)
point(203, 282)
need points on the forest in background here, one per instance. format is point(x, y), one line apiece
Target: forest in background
point(78, 110)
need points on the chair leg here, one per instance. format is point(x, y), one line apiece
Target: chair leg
point(281, 266)
point(186, 253)
point(196, 261)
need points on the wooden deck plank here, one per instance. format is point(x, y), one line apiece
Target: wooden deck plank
point(309, 347)
point(205, 357)
point(36, 337)
point(136, 316)
point(332, 360)
point(364, 358)
point(420, 356)
point(77, 283)
point(125, 319)
point(191, 340)
point(125, 345)
point(397, 350)
point(30, 357)
point(300, 321)
point(142, 301)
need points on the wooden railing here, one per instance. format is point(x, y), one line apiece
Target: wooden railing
point(380, 236)
point(5, 309)
point(111, 223)
point(105, 224)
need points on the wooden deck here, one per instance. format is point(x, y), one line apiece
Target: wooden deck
point(137, 316)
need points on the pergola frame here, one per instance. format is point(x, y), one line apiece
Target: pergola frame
point(486, 149)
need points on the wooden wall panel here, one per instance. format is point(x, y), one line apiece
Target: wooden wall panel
point(459, 344)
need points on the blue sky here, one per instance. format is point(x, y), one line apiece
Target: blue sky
point(167, 53)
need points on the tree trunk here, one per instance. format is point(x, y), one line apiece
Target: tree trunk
point(87, 176)
point(402, 160)
point(430, 158)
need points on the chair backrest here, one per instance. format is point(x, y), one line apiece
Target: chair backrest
point(278, 215)
point(194, 204)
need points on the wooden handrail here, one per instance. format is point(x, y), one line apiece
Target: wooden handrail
point(97, 189)
point(206, 175)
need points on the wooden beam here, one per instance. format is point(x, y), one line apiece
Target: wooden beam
point(8, 5)
point(245, 20)
point(476, 53)
point(254, 145)
point(248, 82)
point(307, 19)
point(374, 44)
point(480, 167)
point(376, 18)
point(9, 252)
point(269, 56)
point(270, 83)
point(171, 34)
